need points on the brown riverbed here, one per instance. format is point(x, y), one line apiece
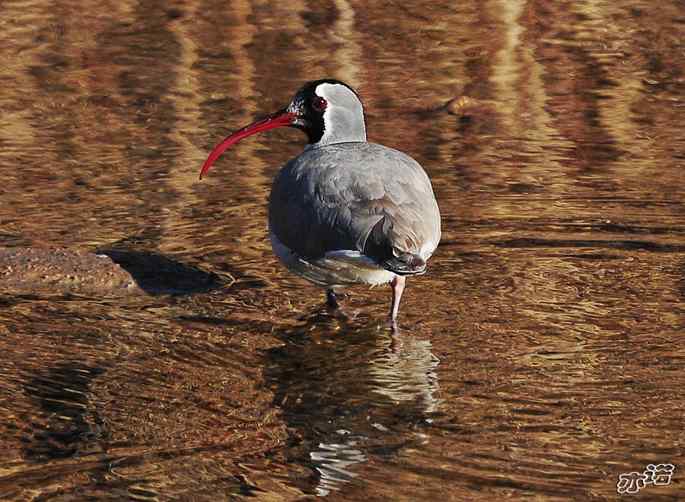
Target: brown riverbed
point(540, 358)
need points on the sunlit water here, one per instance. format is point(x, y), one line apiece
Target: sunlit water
point(539, 358)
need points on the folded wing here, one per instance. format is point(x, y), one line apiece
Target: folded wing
point(360, 197)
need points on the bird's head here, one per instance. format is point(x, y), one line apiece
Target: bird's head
point(328, 111)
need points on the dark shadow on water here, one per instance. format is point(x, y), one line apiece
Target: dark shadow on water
point(158, 274)
point(64, 424)
point(348, 391)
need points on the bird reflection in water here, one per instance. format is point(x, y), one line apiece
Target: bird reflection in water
point(349, 393)
point(406, 373)
point(332, 460)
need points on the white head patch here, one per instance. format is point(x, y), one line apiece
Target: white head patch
point(344, 115)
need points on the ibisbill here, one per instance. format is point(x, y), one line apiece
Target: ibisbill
point(345, 211)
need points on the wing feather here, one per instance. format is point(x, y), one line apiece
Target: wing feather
point(356, 196)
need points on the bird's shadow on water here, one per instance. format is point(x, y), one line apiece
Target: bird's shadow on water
point(157, 274)
point(349, 390)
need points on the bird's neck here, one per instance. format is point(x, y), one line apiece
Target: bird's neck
point(342, 127)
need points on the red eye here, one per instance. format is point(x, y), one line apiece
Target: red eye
point(319, 104)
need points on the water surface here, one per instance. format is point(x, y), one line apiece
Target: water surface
point(539, 358)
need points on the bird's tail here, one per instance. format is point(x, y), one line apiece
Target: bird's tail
point(406, 264)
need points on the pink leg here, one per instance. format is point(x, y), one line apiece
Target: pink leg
point(397, 288)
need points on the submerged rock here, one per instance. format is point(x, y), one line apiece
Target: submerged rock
point(32, 270)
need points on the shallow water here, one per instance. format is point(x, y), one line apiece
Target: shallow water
point(539, 358)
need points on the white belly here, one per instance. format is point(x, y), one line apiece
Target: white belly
point(337, 268)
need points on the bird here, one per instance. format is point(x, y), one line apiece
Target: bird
point(345, 211)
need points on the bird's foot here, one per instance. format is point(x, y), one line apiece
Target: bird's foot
point(331, 309)
point(332, 300)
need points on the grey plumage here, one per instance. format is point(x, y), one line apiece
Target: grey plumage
point(356, 196)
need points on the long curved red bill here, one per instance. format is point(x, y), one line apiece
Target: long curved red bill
point(278, 119)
